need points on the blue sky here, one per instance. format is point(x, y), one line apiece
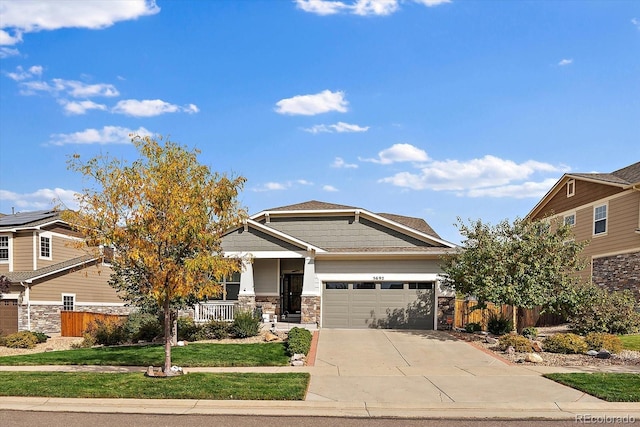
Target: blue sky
point(429, 108)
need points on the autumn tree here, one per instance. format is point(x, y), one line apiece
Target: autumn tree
point(162, 216)
point(4, 284)
point(523, 264)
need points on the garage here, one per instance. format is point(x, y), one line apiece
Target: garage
point(8, 316)
point(391, 305)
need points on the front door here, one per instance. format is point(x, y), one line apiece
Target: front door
point(291, 296)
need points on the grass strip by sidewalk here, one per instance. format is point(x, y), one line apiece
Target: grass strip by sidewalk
point(631, 342)
point(192, 355)
point(607, 386)
point(213, 386)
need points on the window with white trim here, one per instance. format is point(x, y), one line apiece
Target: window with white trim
point(230, 288)
point(68, 302)
point(570, 220)
point(4, 248)
point(45, 247)
point(600, 219)
point(571, 187)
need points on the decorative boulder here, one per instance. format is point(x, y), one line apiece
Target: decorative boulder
point(490, 340)
point(510, 350)
point(536, 346)
point(603, 354)
point(533, 358)
point(592, 353)
point(269, 337)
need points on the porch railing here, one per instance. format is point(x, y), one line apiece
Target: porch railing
point(214, 310)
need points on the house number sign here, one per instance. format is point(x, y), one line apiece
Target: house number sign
point(378, 277)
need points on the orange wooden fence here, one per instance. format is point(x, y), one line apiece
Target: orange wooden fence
point(465, 313)
point(74, 323)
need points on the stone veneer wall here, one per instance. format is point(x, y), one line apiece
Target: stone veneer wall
point(618, 272)
point(310, 309)
point(446, 307)
point(270, 305)
point(246, 303)
point(46, 318)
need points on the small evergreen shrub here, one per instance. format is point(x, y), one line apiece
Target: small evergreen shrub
point(245, 325)
point(142, 327)
point(187, 329)
point(299, 341)
point(473, 327)
point(602, 341)
point(565, 343)
point(530, 332)
point(499, 325)
point(107, 332)
point(518, 342)
point(88, 341)
point(22, 339)
point(215, 330)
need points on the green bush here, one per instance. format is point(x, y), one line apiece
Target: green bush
point(187, 329)
point(602, 341)
point(499, 325)
point(299, 341)
point(472, 327)
point(22, 339)
point(142, 327)
point(530, 332)
point(599, 310)
point(215, 330)
point(518, 342)
point(107, 332)
point(565, 343)
point(245, 325)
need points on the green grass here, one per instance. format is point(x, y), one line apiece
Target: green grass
point(225, 386)
point(631, 342)
point(192, 355)
point(606, 386)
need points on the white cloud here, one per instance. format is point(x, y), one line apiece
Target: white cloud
point(486, 176)
point(359, 7)
point(6, 52)
point(399, 153)
point(150, 108)
point(329, 188)
point(340, 163)
point(18, 16)
point(310, 105)
point(77, 108)
point(565, 62)
point(73, 88)
point(45, 198)
point(636, 22)
point(278, 186)
point(340, 127)
point(22, 74)
point(106, 135)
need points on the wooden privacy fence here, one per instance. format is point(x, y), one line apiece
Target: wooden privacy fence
point(465, 313)
point(74, 323)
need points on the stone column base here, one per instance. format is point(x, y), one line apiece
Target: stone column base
point(310, 309)
point(246, 303)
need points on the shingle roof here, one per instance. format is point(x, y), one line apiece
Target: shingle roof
point(21, 276)
point(411, 222)
point(312, 205)
point(628, 175)
point(27, 219)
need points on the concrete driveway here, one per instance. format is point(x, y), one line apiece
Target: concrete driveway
point(422, 367)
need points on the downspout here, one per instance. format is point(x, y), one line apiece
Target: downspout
point(28, 298)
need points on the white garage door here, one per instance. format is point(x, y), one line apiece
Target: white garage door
point(392, 305)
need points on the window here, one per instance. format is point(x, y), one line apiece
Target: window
point(571, 188)
point(68, 302)
point(45, 247)
point(230, 288)
point(391, 285)
point(420, 285)
point(364, 285)
point(600, 219)
point(570, 220)
point(336, 285)
point(4, 248)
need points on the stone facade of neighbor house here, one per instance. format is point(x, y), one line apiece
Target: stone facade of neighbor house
point(49, 274)
point(337, 266)
point(603, 209)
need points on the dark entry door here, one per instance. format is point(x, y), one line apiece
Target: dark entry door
point(291, 293)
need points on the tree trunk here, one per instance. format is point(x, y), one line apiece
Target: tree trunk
point(168, 333)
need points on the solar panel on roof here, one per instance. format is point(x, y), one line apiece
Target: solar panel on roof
point(22, 218)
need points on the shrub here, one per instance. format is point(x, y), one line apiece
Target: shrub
point(472, 327)
point(565, 343)
point(187, 329)
point(88, 341)
point(299, 341)
point(245, 325)
point(142, 327)
point(602, 311)
point(602, 341)
point(518, 342)
point(499, 325)
point(530, 332)
point(215, 330)
point(107, 332)
point(3, 341)
point(22, 339)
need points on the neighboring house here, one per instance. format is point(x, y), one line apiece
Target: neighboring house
point(338, 267)
point(48, 274)
point(604, 209)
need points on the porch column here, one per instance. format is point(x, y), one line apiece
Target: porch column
point(247, 294)
point(310, 292)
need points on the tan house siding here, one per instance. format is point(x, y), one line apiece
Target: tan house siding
point(89, 285)
point(23, 251)
point(585, 192)
point(61, 250)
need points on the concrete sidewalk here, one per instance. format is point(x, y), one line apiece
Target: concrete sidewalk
point(378, 373)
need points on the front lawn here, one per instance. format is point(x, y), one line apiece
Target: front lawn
point(630, 342)
point(192, 355)
point(606, 386)
point(225, 386)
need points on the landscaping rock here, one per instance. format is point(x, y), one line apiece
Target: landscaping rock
point(533, 358)
point(592, 353)
point(510, 350)
point(298, 359)
point(603, 354)
point(269, 337)
point(490, 340)
point(536, 346)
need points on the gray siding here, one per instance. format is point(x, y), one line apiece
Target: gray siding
point(254, 240)
point(377, 266)
point(343, 232)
